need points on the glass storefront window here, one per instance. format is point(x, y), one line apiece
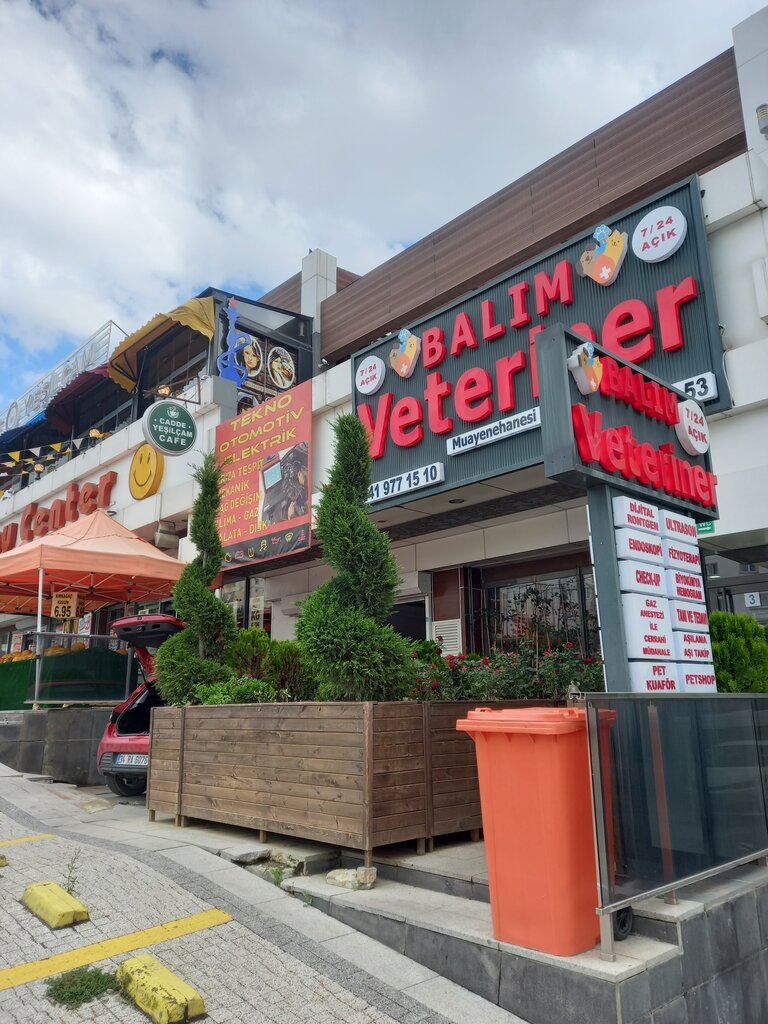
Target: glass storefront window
point(734, 585)
point(256, 602)
point(233, 594)
point(546, 611)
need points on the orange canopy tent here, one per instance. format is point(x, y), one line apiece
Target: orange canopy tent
point(94, 556)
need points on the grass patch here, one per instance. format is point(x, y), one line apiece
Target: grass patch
point(81, 985)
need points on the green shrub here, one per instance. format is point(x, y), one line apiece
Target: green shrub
point(249, 652)
point(181, 672)
point(347, 647)
point(740, 650)
point(353, 657)
point(286, 668)
point(243, 690)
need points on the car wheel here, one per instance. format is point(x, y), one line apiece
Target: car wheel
point(622, 923)
point(127, 785)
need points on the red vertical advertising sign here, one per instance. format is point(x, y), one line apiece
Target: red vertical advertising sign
point(266, 488)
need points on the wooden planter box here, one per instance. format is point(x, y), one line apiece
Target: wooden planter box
point(358, 775)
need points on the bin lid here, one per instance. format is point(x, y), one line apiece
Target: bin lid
point(534, 721)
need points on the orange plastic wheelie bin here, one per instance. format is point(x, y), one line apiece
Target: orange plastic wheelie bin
point(533, 770)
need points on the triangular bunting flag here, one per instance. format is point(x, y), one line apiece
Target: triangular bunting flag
point(16, 456)
point(57, 447)
point(35, 451)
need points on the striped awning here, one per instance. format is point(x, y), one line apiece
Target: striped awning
point(198, 314)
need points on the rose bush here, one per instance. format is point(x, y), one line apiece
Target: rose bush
point(526, 674)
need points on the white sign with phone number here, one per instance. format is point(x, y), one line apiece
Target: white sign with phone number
point(424, 476)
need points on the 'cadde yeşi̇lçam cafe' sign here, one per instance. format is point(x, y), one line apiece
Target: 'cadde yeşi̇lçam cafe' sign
point(454, 398)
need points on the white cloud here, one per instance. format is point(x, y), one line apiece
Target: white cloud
point(150, 149)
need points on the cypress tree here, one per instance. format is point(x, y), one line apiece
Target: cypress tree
point(198, 654)
point(348, 647)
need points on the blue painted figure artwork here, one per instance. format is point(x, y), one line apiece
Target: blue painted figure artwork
point(230, 368)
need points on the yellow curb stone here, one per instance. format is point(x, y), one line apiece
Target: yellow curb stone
point(159, 992)
point(54, 905)
point(35, 970)
point(26, 839)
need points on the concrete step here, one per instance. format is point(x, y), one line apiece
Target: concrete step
point(455, 869)
point(453, 936)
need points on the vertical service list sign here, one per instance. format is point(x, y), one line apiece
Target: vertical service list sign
point(662, 596)
point(266, 497)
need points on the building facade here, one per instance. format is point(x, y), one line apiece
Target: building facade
point(447, 331)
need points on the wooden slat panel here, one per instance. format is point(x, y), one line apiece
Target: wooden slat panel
point(263, 802)
point(257, 760)
point(252, 749)
point(192, 804)
point(304, 831)
point(265, 737)
point(589, 182)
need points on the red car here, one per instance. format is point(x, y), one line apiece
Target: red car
point(123, 755)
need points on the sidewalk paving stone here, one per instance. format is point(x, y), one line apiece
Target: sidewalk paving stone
point(274, 963)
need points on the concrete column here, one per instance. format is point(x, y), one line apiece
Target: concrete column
point(750, 43)
point(318, 282)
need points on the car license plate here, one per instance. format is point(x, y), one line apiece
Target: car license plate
point(137, 759)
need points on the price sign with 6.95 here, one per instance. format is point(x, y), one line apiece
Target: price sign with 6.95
point(66, 605)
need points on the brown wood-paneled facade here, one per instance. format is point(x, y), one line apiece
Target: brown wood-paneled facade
point(687, 128)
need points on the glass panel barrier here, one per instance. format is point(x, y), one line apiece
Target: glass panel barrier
point(682, 784)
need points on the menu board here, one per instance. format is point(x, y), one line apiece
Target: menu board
point(666, 626)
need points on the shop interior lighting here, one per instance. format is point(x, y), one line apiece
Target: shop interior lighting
point(38, 467)
point(176, 391)
point(97, 435)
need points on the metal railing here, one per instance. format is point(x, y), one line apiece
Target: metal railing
point(679, 792)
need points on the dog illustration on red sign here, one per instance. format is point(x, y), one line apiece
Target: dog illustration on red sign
point(602, 259)
point(404, 356)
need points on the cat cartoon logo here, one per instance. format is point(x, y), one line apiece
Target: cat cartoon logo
point(404, 356)
point(586, 368)
point(602, 259)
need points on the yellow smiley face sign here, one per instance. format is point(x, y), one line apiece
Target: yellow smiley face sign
point(146, 473)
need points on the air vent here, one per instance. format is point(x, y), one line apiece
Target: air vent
point(450, 631)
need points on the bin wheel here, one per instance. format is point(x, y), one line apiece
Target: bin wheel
point(622, 923)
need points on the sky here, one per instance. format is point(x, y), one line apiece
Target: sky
point(150, 148)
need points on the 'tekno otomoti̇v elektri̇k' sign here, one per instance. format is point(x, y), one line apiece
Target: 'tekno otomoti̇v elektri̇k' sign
point(266, 486)
point(453, 398)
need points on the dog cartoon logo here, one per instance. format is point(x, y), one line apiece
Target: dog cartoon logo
point(404, 356)
point(586, 368)
point(602, 259)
